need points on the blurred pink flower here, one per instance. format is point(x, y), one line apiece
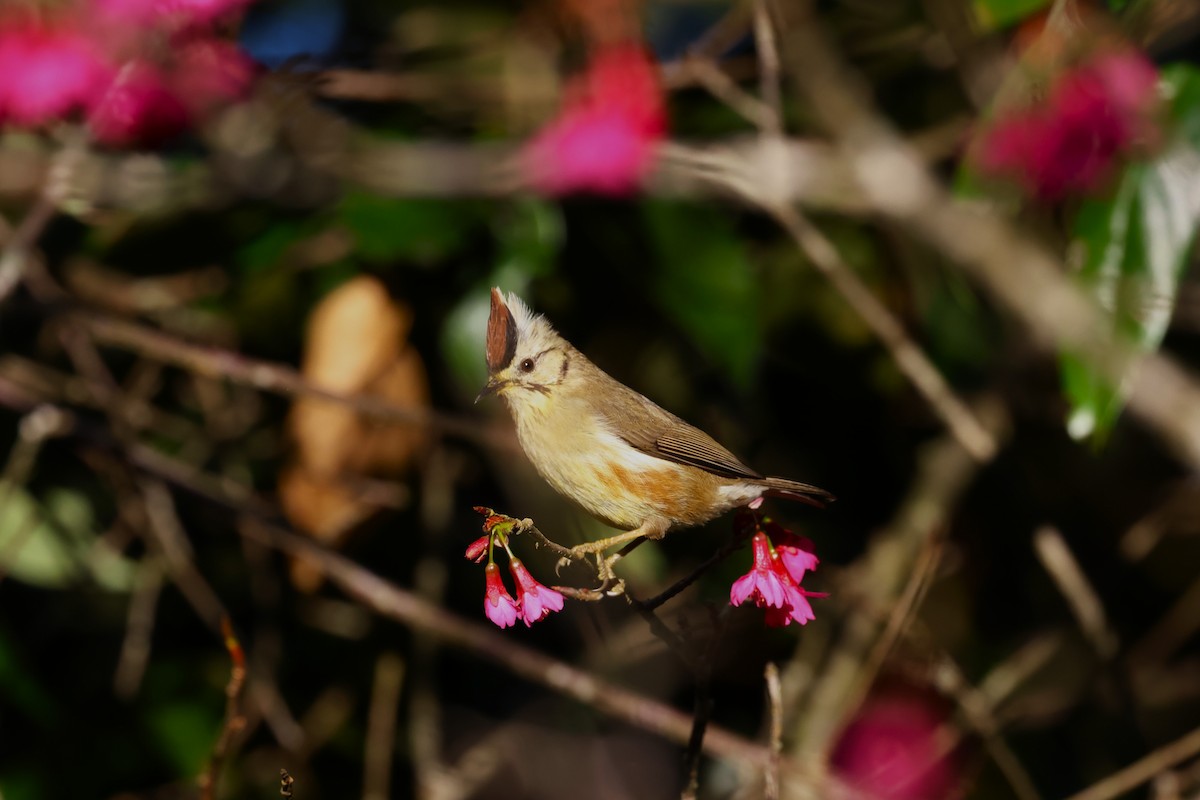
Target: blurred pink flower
point(46, 73)
point(603, 139)
point(1093, 116)
point(174, 14)
point(498, 604)
point(139, 108)
point(535, 600)
point(210, 72)
point(895, 748)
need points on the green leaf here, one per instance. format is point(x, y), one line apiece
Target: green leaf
point(390, 229)
point(1135, 247)
point(55, 545)
point(707, 284)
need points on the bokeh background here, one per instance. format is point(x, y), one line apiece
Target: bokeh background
point(251, 303)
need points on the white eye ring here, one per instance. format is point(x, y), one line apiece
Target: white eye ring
point(526, 365)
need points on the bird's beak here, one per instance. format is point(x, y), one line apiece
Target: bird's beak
point(494, 385)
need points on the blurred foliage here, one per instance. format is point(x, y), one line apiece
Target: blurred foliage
point(1136, 246)
point(702, 305)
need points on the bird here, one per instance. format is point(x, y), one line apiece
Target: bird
point(625, 460)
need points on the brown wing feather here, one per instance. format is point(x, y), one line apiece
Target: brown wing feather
point(657, 432)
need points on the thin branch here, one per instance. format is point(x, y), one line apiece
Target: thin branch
point(1143, 770)
point(381, 726)
point(774, 730)
point(768, 67)
point(911, 360)
point(139, 627)
point(263, 375)
point(235, 719)
point(1060, 563)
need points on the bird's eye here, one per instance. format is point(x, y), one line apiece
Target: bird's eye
point(526, 365)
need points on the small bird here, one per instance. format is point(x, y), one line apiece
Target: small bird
point(624, 459)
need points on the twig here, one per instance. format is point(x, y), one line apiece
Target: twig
point(526, 526)
point(37, 426)
point(768, 67)
point(774, 730)
point(168, 539)
point(381, 726)
point(19, 248)
point(406, 608)
point(263, 375)
point(1142, 770)
point(1172, 630)
point(235, 720)
point(139, 626)
point(911, 360)
point(978, 714)
point(902, 612)
point(726, 550)
point(1085, 604)
point(708, 73)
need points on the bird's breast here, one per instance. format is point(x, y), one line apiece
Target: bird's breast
point(582, 459)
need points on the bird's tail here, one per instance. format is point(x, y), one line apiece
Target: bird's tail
point(794, 490)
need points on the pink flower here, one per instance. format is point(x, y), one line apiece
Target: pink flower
point(763, 582)
point(772, 585)
point(498, 604)
point(536, 601)
point(46, 73)
point(604, 138)
point(795, 552)
point(894, 748)
point(139, 108)
point(477, 549)
point(1092, 117)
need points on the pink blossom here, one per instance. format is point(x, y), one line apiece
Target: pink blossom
point(894, 748)
point(1092, 117)
point(772, 585)
point(604, 138)
point(763, 582)
point(477, 549)
point(139, 108)
point(795, 552)
point(498, 604)
point(536, 601)
point(46, 73)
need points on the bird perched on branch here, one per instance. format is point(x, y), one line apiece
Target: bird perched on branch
point(622, 458)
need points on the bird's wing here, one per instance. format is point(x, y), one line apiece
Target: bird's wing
point(658, 432)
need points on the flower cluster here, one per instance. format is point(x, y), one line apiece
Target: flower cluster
point(780, 560)
point(1092, 116)
point(137, 71)
point(533, 602)
point(603, 139)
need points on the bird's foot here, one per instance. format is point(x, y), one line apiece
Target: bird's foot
point(611, 587)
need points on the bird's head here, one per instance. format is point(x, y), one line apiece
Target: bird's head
point(526, 358)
